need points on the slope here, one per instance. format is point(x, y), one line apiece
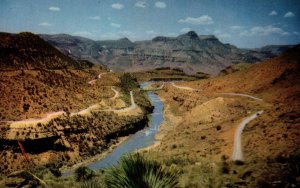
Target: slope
point(198, 134)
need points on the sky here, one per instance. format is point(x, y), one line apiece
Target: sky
point(244, 23)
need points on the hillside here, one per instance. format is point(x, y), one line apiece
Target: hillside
point(23, 52)
point(199, 132)
point(189, 52)
point(61, 110)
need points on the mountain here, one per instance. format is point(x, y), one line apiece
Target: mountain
point(190, 52)
point(276, 49)
point(23, 51)
point(35, 75)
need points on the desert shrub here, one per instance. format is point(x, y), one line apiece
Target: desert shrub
point(26, 107)
point(134, 170)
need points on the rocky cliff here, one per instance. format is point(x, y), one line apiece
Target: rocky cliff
point(190, 52)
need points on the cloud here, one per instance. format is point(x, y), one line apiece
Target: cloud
point(117, 35)
point(45, 24)
point(94, 18)
point(264, 31)
point(160, 4)
point(84, 34)
point(115, 25)
point(185, 30)
point(118, 6)
point(150, 32)
point(216, 32)
point(223, 35)
point(289, 15)
point(273, 13)
point(141, 4)
point(236, 27)
point(55, 9)
point(202, 20)
point(171, 34)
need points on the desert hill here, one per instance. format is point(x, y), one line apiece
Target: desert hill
point(201, 123)
point(23, 52)
point(190, 52)
point(62, 110)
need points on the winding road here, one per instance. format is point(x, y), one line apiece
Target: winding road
point(92, 82)
point(242, 95)
point(183, 87)
point(133, 106)
point(27, 122)
point(85, 111)
point(51, 115)
point(237, 154)
point(117, 94)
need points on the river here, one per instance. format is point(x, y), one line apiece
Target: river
point(141, 139)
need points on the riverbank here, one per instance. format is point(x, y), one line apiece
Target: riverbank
point(170, 121)
point(67, 170)
point(130, 143)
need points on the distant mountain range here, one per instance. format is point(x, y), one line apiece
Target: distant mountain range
point(190, 52)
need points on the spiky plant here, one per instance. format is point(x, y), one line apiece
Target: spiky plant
point(91, 184)
point(136, 171)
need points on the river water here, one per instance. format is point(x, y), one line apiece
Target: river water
point(141, 139)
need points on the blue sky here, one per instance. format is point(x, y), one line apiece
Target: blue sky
point(244, 23)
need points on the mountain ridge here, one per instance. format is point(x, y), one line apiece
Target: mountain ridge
point(190, 52)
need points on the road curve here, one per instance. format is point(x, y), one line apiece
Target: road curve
point(237, 154)
point(85, 111)
point(117, 94)
point(99, 77)
point(45, 119)
point(183, 87)
point(127, 109)
point(242, 95)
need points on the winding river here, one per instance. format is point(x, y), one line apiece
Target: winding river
point(141, 139)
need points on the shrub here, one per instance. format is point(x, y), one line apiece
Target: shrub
point(128, 82)
point(136, 171)
point(91, 184)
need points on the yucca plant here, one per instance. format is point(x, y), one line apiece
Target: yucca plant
point(91, 184)
point(135, 171)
